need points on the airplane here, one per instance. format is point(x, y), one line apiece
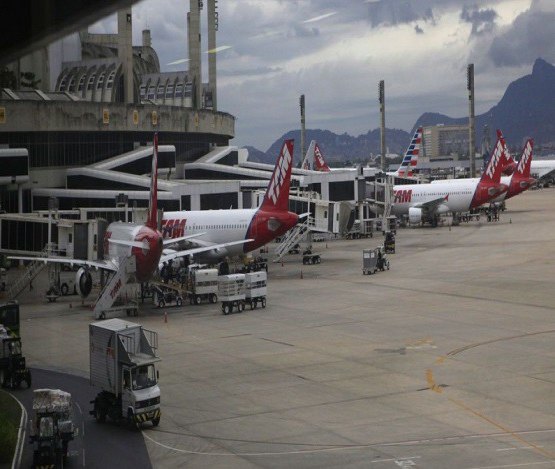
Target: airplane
point(540, 169)
point(520, 179)
point(255, 227)
point(425, 202)
point(314, 152)
point(132, 251)
point(411, 156)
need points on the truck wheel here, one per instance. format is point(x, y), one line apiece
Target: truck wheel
point(161, 304)
point(156, 422)
point(213, 298)
point(64, 289)
point(198, 299)
point(263, 301)
point(225, 309)
point(179, 301)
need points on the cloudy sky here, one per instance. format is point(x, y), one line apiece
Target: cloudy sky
point(336, 51)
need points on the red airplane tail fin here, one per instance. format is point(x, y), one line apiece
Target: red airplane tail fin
point(525, 162)
point(152, 220)
point(497, 162)
point(319, 162)
point(277, 194)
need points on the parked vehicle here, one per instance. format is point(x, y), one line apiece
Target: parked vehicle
point(203, 285)
point(231, 290)
point(255, 288)
point(122, 365)
point(13, 369)
point(52, 427)
point(310, 258)
point(164, 295)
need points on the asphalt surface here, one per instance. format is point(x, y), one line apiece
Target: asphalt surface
point(95, 445)
point(445, 361)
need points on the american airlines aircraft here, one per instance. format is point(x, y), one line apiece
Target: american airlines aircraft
point(425, 202)
point(520, 180)
point(133, 251)
point(243, 230)
point(411, 156)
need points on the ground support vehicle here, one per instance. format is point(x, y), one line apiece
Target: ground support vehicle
point(255, 288)
point(231, 291)
point(374, 260)
point(13, 370)
point(131, 308)
point(166, 295)
point(52, 427)
point(122, 366)
point(255, 265)
point(389, 243)
point(203, 285)
point(309, 258)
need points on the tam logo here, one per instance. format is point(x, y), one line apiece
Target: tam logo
point(115, 290)
point(281, 169)
point(402, 196)
point(494, 160)
point(173, 228)
point(107, 236)
point(525, 156)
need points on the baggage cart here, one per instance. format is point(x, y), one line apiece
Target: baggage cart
point(256, 289)
point(369, 261)
point(231, 290)
point(203, 286)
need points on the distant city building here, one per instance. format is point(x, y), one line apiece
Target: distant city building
point(445, 141)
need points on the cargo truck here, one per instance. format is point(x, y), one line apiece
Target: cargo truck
point(51, 428)
point(122, 365)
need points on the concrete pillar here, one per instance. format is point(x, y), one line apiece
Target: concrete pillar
point(125, 53)
point(193, 23)
point(212, 28)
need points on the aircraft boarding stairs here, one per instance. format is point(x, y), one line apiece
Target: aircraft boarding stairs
point(31, 271)
point(295, 235)
point(114, 286)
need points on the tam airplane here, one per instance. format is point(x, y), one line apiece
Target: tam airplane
point(318, 162)
point(132, 251)
point(540, 169)
point(520, 179)
point(426, 202)
point(235, 232)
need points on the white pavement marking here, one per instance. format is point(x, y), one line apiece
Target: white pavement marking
point(518, 448)
point(516, 465)
point(16, 462)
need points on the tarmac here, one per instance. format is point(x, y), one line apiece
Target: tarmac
point(446, 360)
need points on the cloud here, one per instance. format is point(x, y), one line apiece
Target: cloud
point(481, 19)
point(530, 36)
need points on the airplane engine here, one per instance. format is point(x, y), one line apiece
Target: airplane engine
point(83, 282)
point(415, 215)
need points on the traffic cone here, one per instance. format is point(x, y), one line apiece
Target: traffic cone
point(166, 318)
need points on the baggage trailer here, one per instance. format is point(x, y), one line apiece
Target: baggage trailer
point(52, 427)
point(165, 295)
point(13, 370)
point(255, 288)
point(203, 286)
point(122, 365)
point(231, 290)
point(374, 260)
point(310, 258)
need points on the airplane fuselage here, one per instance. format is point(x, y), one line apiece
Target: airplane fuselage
point(221, 226)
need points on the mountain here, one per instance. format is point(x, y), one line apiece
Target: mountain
point(337, 148)
point(527, 109)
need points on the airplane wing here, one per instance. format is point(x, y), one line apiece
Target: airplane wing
point(170, 241)
point(190, 252)
point(106, 265)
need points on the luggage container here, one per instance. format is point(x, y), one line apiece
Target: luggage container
point(203, 286)
point(231, 290)
point(369, 261)
point(255, 288)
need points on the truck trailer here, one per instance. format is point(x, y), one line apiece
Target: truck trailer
point(122, 365)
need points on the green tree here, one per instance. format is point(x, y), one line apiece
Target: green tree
point(7, 78)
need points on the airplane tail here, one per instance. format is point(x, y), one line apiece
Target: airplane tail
point(411, 155)
point(525, 162)
point(319, 162)
point(497, 162)
point(510, 165)
point(277, 194)
point(306, 162)
point(152, 220)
